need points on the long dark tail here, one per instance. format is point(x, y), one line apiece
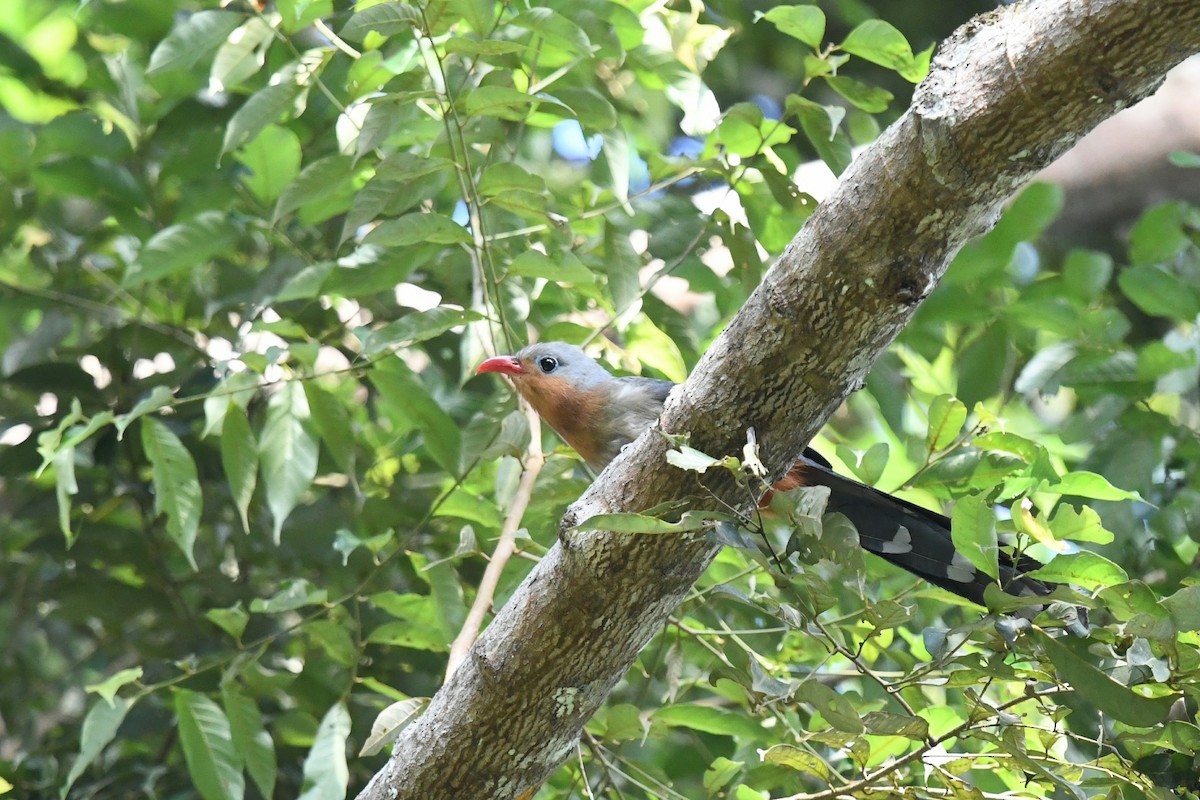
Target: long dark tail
point(911, 537)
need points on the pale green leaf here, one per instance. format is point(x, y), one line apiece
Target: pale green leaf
point(294, 593)
point(193, 41)
point(1085, 568)
point(1082, 483)
point(806, 23)
point(109, 687)
point(99, 728)
point(326, 775)
point(947, 414)
point(266, 106)
point(159, 396)
point(973, 530)
point(287, 452)
point(390, 722)
point(176, 484)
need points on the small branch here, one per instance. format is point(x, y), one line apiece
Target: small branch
point(534, 459)
point(920, 752)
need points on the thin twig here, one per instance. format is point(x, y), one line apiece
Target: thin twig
point(534, 458)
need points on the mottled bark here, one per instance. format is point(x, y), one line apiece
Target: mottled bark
point(1007, 93)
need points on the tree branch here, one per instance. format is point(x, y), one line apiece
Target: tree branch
point(1007, 93)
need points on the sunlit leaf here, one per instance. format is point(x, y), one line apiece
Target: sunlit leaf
point(390, 722)
point(326, 774)
point(287, 452)
point(194, 40)
point(806, 23)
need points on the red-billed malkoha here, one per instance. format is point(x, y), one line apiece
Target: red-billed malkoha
point(597, 414)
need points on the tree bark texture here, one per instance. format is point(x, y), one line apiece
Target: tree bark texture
point(1007, 93)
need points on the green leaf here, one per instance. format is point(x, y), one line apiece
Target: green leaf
point(621, 265)
point(1159, 293)
point(299, 14)
point(883, 723)
point(239, 457)
point(1079, 526)
point(554, 30)
point(240, 56)
point(1082, 483)
point(159, 396)
point(798, 759)
point(592, 109)
point(293, 593)
point(872, 99)
point(187, 245)
point(265, 107)
point(326, 775)
point(563, 268)
point(194, 41)
point(628, 522)
point(806, 23)
point(273, 159)
point(313, 184)
point(386, 19)
point(416, 326)
point(720, 773)
point(214, 764)
point(744, 131)
point(405, 397)
point(109, 687)
point(1073, 665)
point(99, 728)
point(418, 228)
point(1085, 568)
point(1159, 235)
point(232, 620)
point(836, 708)
point(707, 719)
point(288, 452)
point(250, 737)
point(1184, 606)
point(176, 484)
point(820, 125)
point(692, 460)
point(390, 722)
point(1086, 273)
point(973, 531)
point(881, 43)
point(1182, 158)
point(947, 415)
point(502, 102)
point(649, 345)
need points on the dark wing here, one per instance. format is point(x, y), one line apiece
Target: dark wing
point(913, 538)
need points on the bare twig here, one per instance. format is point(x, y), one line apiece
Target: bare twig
point(534, 458)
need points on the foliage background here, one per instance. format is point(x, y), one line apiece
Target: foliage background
point(250, 259)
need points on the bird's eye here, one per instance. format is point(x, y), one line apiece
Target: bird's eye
point(547, 364)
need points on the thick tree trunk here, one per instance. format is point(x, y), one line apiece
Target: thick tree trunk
point(1006, 94)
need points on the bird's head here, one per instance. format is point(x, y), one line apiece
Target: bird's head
point(548, 363)
point(567, 389)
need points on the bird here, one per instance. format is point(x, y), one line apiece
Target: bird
point(597, 414)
